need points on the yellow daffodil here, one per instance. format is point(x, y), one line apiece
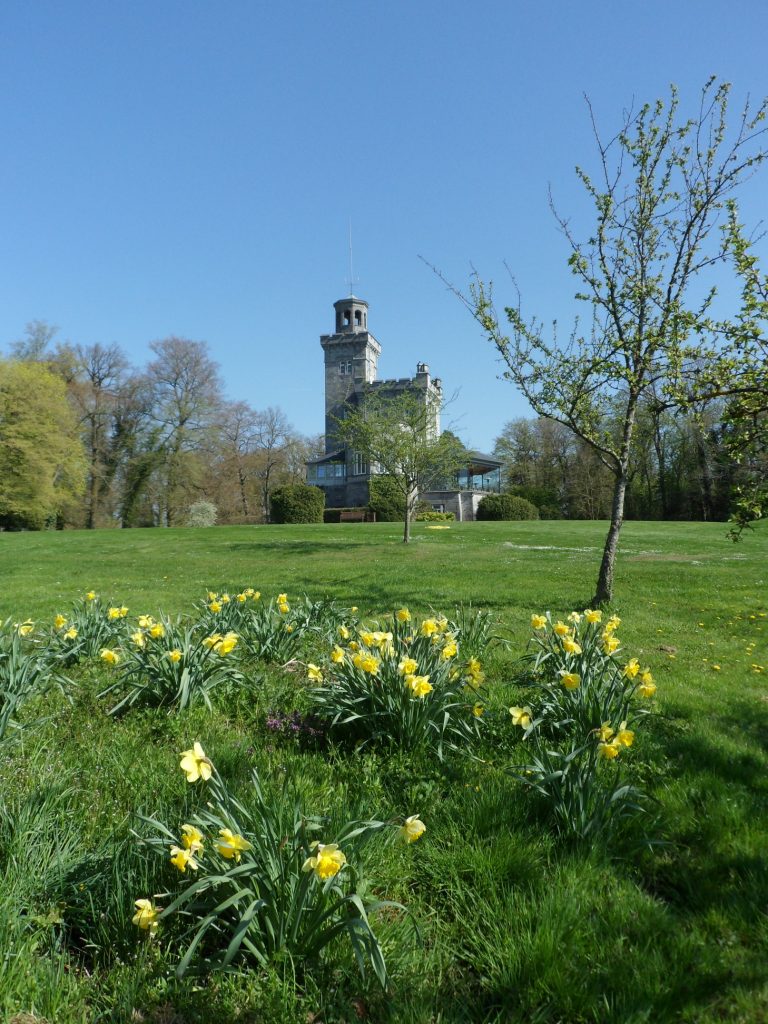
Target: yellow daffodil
point(419, 686)
point(24, 628)
point(59, 622)
point(113, 613)
point(183, 859)
point(226, 644)
point(192, 838)
point(428, 627)
point(610, 643)
point(570, 646)
point(442, 624)
point(408, 666)
point(605, 732)
point(195, 764)
point(337, 655)
point(145, 916)
point(608, 750)
point(314, 673)
point(538, 621)
point(478, 710)
point(367, 662)
point(403, 615)
point(111, 657)
point(71, 633)
point(367, 637)
point(145, 621)
point(174, 655)
point(138, 638)
point(225, 599)
point(593, 616)
point(575, 618)
point(354, 646)
point(230, 845)
point(241, 598)
point(450, 650)
point(412, 829)
point(212, 595)
point(343, 632)
point(570, 680)
point(283, 608)
point(613, 623)
point(91, 595)
point(327, 861)
point(214, 606)
point(212, 640)
point(157, 630)
point(353, 609)
point(561, 629)
point(647, 687)
point(521, 716)
point(631, 668)
point(625, 737)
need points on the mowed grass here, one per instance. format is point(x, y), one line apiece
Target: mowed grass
point(513, 925)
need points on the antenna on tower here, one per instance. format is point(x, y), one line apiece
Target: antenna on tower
point(351, 274)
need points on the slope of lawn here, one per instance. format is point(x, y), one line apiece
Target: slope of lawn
point(506, 922)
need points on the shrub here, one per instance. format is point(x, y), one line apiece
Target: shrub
point(386, 499)
point(202, 513)
point(297, 503)
point(262, 883)
point(506, 506)
point(429, 515)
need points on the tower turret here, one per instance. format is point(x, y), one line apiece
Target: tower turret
point(351, 361)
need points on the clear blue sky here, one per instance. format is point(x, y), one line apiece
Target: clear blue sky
point(190, 168)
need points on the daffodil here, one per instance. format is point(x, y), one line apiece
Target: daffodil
point(450, 650)
point(428, 627)
point(343, 632)
point(138, 638)
point(605, 732)
point(192, 838)
point(91, 595)
point(212, 640)
point(613, 623)
point(182, 859)
point(478, 710)
point(575, 618)
point(174, 655)
point(521, 716)
point(230, 845)
point(625, 737)
point(631, 668)
point(25, 628)
point(145, 621)
point(113, 613)
point(215, 606)
point(327, 861)
point(242, 598)
point(71, 633)
point(226, 644)
point(561, 629)
point(60, 621)
point(157, 630)
point(195, 764)
point(403, 615)
point(408, 666)
point(145, 916)
point(570, 646)
point(648, 689)
point(337, 655)
point(419, 686)
point(608, 750)
point(593, 616)
point(570, 680)
point(109, 656)
point(538, 621)
point(314, 673)
point(610, 643)
point(212, 595)
point(412, 829)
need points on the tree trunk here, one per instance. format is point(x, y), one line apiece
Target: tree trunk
point(243, 496)
point(411, 497)
point(604, 591)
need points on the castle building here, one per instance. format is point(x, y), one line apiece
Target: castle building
point(351, 364)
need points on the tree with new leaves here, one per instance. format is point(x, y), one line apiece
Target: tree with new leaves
point(660, 198)
point(399, 435)
point(42, 463)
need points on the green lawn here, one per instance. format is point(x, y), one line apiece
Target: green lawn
point(513, 924)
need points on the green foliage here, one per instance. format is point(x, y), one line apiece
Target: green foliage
point(42, 465)
point(167, 665)
point(263, 883)
point(202, 513)
point(24, 673)
point(505, 506)
point(297, 503)
point(429, 515)
point(386, 499)
point(83, 632)
point(404, 687)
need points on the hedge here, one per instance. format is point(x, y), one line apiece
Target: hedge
point(386, 499)
point(297, 503)
point(506, 506)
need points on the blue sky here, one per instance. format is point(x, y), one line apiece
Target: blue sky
point(191, 168)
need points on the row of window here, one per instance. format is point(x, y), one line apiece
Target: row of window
point(345, 369)
point(337, 470)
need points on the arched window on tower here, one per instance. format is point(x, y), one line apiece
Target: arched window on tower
point(347, 317)
point(358, 318)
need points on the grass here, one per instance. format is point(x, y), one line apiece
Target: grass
point(513, 925)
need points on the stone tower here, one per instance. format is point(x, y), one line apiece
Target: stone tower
point(351, 360)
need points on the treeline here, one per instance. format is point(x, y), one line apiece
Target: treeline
point(683, 467)
point(88, 440)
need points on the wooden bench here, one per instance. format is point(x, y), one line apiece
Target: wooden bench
point(357, 515)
